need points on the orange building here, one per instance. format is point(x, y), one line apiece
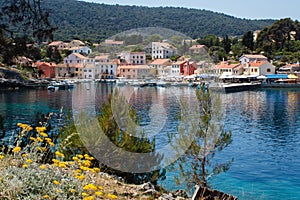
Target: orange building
point(46, 70)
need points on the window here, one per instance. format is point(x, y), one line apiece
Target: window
point(142, 57)
point(268, 70)
point(90, 70)
point(123, 70)
point(255, 70)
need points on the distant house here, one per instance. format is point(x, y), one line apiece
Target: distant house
point(289, 68)
point(228, 68)
point(74, 58)
point(113, 43)
point(177, 68)
point(258, 68)
point(89, 71)
point(46, 70)
point(60, 45)
point(252, 58)
point(106, 69)
point(75, 43)
point(198, 49)
point(134, 71)
point(102, 59)
point(134, 58)
point(81, 49)
point(163, 50)
point(189, 68)
point(68, 70)
point(158, 65)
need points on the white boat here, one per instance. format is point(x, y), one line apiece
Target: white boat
point(121, 81)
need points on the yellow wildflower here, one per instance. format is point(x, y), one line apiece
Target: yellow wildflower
point(112, 196)
point(80, 177)
point(90, 187)
point(59, 154)
point(62, 165)
point(88, 198)
point(56, 182)
point(24, 155)
point(29, 128)
point(75, 158)
point(46, 196)
point(55, 161)
point(16, 149)
point(39, 139)
point(72, 190)
point(87, 163)
point(71, 163)
point(43, 134)
point(32, 138)
point(51, 144)
point(96, 169)
point(80, 156)
point(98, 193)
point(84, 194)
point(100, 188)
point(1, 157)
point(40, 129)
point(29, 161)
point(43, 167)
point(24, 166)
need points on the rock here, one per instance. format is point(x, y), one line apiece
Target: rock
point(147, 186)
point(180, 193)
point(166, 197)
point(150, 192)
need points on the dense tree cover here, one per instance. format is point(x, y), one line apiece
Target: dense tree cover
point(99, 21)
point(23, 22)
point(279, 42)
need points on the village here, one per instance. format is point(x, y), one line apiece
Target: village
point(155, 62)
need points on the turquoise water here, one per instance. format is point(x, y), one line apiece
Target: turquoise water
point(265, 127)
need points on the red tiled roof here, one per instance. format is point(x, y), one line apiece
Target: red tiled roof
point(160, 61)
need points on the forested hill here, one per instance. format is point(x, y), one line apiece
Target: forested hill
point(95, 22)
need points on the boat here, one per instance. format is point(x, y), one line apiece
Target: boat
point(162, 84)
point(234, 87)
point(121, 81)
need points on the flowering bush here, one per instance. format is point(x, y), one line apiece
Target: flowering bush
point(25, 176)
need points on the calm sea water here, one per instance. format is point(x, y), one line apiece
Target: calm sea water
point(265, 125)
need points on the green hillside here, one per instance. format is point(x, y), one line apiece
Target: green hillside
point(95, 22)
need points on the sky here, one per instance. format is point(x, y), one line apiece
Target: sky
point(253, 9)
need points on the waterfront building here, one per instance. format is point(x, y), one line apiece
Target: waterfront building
point(177, 68)
point(134, 71)
point(46, 69)
point(258, 68)
point(227, 68)
point(158, 65)
point(105, 68)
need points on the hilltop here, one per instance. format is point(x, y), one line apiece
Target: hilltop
point(96, 22)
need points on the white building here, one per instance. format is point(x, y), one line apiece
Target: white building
point(163, 50)
point(81, 49)
point(74, 58)
point(106, 69)
point(258, 68)
point(134, 58)
point(252, 58)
